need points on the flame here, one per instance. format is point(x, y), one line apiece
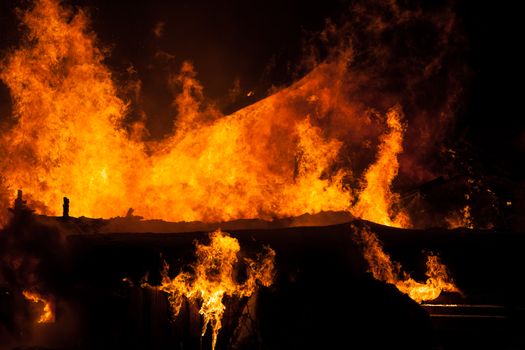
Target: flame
point(376, 199)
point(279, 157)
point(438, 281)
point(213, 278)
point(47, 315)
point(383, 269)
point(461, 219)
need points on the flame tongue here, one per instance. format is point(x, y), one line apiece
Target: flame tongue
point(47, 315)
point(213, 278)
point(376, 199)
point(383, 269)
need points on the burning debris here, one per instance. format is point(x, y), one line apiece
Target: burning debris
point(384, 269)
point(219, 282)
point(214, 277)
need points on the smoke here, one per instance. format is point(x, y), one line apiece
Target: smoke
point(399, 53)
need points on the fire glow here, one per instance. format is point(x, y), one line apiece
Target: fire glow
point(270, 159)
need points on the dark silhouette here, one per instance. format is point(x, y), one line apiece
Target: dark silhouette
point(65, 208)
point(20, 209)
point(20, 204)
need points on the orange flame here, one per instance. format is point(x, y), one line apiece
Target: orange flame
point(270, 159)
point(383, 269)
point(47, 315)
point(376, 199)
point(213, 277)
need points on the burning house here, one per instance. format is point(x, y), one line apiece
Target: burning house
point(333, 193)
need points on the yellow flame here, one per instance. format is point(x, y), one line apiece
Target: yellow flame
point(437, 281)
point(47, 315)
point(376, 199)
point(383, 269)
point(213, 278)
point(270, 159)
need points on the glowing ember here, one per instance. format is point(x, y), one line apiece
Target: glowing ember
point(213, 278)
point(47, 315)
point(383, 269)
point(278, 157)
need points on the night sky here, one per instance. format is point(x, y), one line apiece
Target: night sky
point(260, 43)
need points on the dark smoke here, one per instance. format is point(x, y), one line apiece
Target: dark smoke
point(409, 54)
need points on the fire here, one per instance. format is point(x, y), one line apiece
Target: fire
point(384, 269)
point(47, 315)
point(438, 281)
point(213, 278)
point(376, 199)
point(282, 156)
point(461, 219)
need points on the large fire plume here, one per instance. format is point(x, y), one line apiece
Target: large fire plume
point(300, 150)
point(214, 277)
